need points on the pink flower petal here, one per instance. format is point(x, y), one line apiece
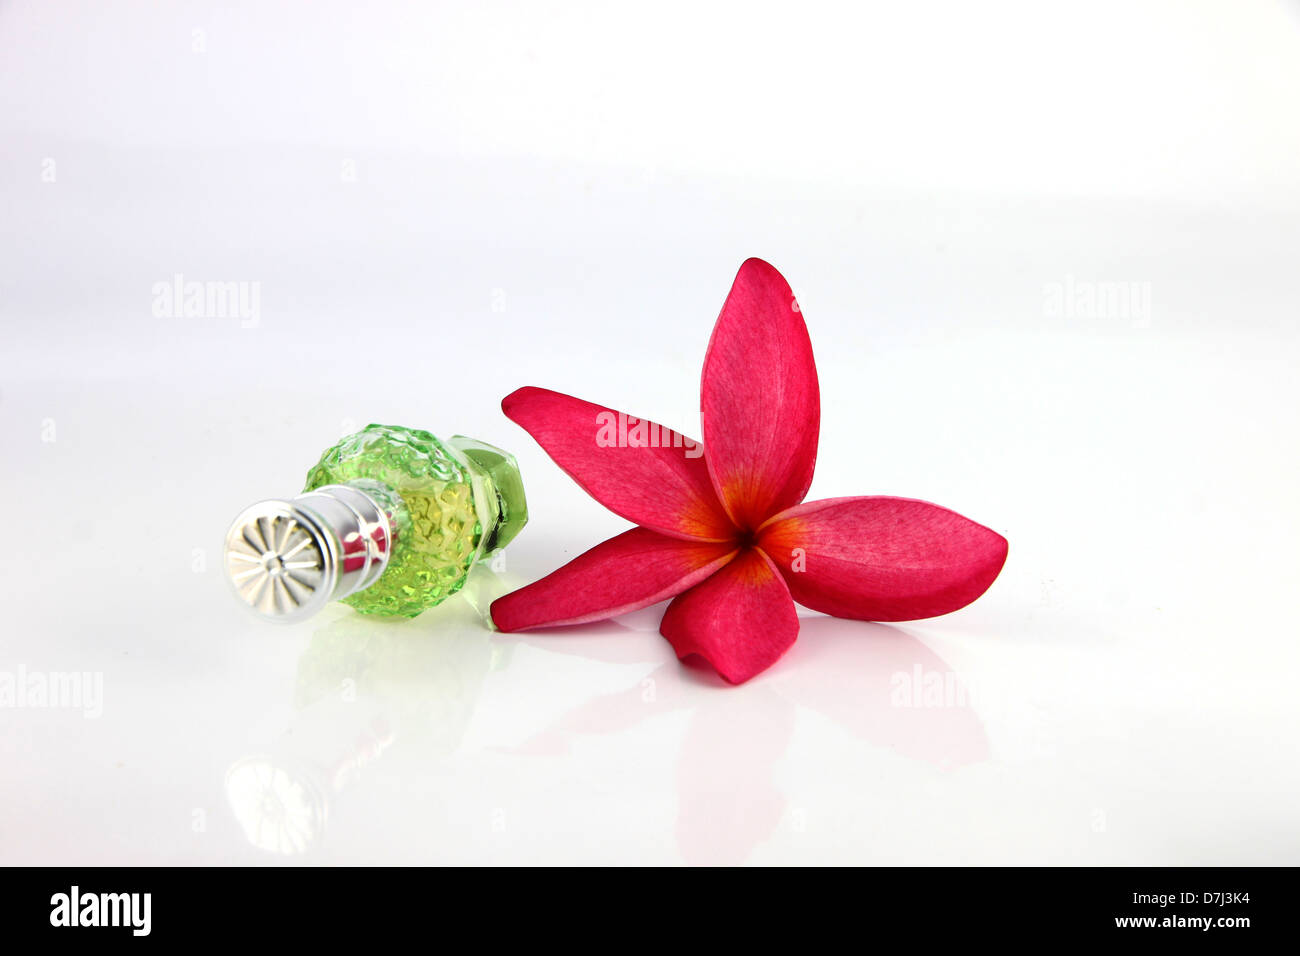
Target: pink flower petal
point(759, 399)
point(740, 619)
point(644, 472)
point(629, 571)
point(882, 559)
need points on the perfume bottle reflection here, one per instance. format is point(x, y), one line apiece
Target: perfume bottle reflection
point(365, 686)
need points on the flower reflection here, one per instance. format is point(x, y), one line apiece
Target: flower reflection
point(728, 798)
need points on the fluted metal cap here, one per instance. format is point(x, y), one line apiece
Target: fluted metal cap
point(288, 558)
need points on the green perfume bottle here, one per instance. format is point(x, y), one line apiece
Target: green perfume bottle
point(390, 521)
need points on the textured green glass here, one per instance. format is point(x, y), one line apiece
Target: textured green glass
point(450, 503)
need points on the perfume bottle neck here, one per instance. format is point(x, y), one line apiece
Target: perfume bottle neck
point(288, 558)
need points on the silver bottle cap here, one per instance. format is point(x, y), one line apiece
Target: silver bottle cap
point(288, 558)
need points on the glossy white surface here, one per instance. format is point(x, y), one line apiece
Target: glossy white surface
point(441, 206)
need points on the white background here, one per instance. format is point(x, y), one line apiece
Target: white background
point(443, 202)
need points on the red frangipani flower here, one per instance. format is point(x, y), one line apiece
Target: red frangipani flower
point(723, 532)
